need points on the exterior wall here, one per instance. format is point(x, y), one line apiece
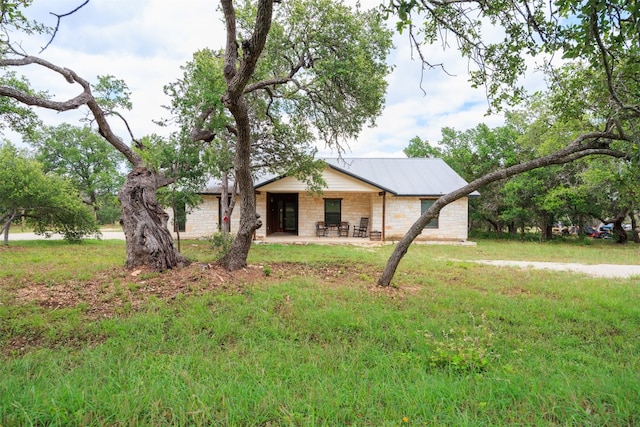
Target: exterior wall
point(201, 221)
point(336, 181)
point(261, 208)
point(311, 209)
point(402, 212)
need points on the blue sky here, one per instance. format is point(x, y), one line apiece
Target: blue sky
point(144, 42)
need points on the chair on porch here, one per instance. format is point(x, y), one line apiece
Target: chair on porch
point(321, 229)
point(361, 230)
point(343, 229)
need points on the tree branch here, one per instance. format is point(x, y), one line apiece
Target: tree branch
point(594, 143)
point(55, 30)
point(85, 98)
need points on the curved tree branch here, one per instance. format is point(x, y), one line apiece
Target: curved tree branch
point(595, 143)
point(85, 98)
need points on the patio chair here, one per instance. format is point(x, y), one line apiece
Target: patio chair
point(321, 229)
point(361, 230)
point(343, 229)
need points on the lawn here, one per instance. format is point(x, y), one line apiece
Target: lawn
point(304, 337)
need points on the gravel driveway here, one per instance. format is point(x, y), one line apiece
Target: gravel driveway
point(596, 270)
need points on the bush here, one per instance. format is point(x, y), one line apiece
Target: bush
point(221, 243)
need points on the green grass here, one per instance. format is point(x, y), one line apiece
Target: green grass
point(456, 344)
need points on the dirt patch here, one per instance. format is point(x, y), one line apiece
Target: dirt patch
point(114, 291)
point(121, 292)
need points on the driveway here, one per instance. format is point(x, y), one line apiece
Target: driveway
point(595, 270)
point(106, 235)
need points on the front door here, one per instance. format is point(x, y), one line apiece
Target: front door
point(282, 213)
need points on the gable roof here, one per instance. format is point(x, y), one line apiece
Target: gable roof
point(403, 176)
point(398, 176)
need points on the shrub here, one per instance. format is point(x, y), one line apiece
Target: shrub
point(221, 243)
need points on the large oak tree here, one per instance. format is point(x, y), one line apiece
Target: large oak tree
point(318, 64)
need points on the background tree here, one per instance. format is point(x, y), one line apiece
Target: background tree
point(472, 154)
point(91, 164)
point(322, 67)
point(597, 87)
point(48, 202)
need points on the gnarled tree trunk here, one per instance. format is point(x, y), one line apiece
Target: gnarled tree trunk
point(618, 230)
point(144, 222)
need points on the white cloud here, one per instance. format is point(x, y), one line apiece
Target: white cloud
point(145, 42)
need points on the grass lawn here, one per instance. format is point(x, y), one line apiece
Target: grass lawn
point(304, 337)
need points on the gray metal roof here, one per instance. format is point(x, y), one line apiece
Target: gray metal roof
point(403, 176)
point(399, 176)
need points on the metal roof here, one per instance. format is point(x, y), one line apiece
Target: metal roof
point(399, 176)
point(403, 176)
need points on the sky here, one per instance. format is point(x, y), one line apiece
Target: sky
point(145, 42)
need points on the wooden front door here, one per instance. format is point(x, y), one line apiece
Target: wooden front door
point(282, 213)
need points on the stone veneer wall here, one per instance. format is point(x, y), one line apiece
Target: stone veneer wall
point(311, 209)
point(401, 213)
point(202, 221)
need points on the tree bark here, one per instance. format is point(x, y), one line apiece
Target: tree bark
point(589, 144)
point(495, 225)
point(618, 230)
point(237, 74)
point(144, 222)
point(7, 224)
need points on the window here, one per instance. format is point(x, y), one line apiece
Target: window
point(424, 205)
point(332, 211)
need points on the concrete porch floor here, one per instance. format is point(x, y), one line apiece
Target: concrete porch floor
point(289, 239)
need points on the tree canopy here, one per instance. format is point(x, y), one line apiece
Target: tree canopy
point(48, 202)
point(595, 89)
point(92, 165)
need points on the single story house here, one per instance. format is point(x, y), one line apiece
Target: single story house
point(391, 193)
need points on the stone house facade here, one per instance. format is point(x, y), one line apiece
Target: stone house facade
point(391, 193)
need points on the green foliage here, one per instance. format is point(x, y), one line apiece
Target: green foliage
point(463, 351)
point(49, 203)
point(16, 116)
point(112, 94)
point(196, 98)
point(12, 19)
point(341, 54)
point(422, 148)
point(221, 244)
point(87, 160)
point(266, 270)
